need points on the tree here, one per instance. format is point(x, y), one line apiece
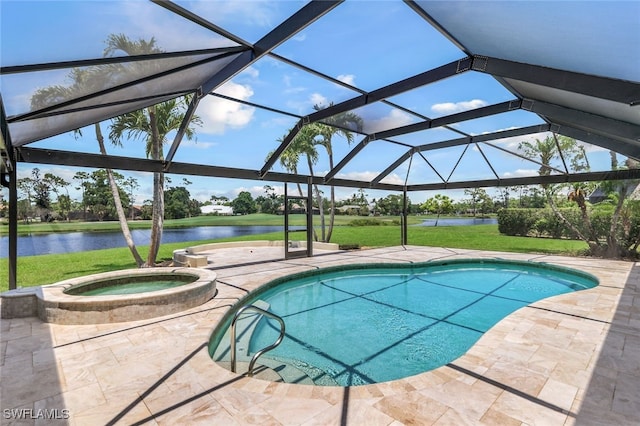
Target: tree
point(56, 183)
point(335, 125)
point(438, 204)
point(131, 184)
point(83, 178)
point(178, 203)
point(99, 197)
point(152, 124)
point(25, 185)
point(244, 203)
point(270, 202)
point(391, 205)
point(574, 156)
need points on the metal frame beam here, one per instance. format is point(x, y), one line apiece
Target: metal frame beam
point(593, 123)
point(183, 128)
point(78, 159)
point(8, 171)
point(450, 119)
point(296, 22)
point(600, 87)
point(356, 149)
point(531, 180)
point(199, 20)
point(463, 141)
point(621, 147)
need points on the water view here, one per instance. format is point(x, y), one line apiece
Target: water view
point(70, 242)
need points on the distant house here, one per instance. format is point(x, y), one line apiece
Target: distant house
point(349, 209)
point(296, 209)
point(599, 195)
point(217, 209)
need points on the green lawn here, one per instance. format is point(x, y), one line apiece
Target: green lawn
point(47, 269)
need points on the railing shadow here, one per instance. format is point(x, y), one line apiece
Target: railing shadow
point(613, 393)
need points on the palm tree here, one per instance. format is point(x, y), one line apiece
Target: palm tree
point(303, 144)
point(336, 125)
point(82, 80)
point(153, 124)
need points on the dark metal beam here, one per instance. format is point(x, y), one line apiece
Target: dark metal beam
point(183, 128)
point(68, 104)
point(419, 80)
point(621, 147)
point(531, 180)
point(78, 159)
point(197, 19)
point(593, 123)
point(600, 87)
point(393, 166)
point(47, 66)
point(296, 22)
point(522, 131)
point(463, 141)
point(8, 170)
point(359, 147)
point(280, 149)
point(450, 119)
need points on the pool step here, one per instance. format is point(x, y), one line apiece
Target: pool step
point(296, 370)
point(272, 370)
point(275, 369)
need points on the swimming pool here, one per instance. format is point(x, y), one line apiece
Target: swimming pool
point(373, 323)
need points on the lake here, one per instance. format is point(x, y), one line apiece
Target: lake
point(70, 242)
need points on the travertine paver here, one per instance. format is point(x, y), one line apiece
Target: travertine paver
point(570, 359)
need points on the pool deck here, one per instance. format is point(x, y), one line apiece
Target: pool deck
point(570, 359)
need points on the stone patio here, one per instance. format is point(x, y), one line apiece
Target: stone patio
point(569, 359)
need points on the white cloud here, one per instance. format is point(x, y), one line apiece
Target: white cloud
point(300, 37)
point(349, 79)
point(197, 144)
point(396, 118)
point(256, 14)
point(251, 72)
point(318, 99)
point(217, 114)
point(452, 108)
point(520, 173)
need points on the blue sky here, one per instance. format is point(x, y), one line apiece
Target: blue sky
point(365, 44)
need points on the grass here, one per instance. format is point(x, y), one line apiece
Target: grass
point(47, 269)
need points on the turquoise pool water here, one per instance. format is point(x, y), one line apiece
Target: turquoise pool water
point(131, 284)
point(133, 288)
point(359, 326)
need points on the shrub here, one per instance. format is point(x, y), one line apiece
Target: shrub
point(366, 222)
point(516, 221)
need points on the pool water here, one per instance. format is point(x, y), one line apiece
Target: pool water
point(132, 288)
point(360, 326)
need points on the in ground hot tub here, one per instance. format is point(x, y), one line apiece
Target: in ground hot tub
point(127, 295)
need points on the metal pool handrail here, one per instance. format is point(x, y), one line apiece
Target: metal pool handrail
point(263, 350)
